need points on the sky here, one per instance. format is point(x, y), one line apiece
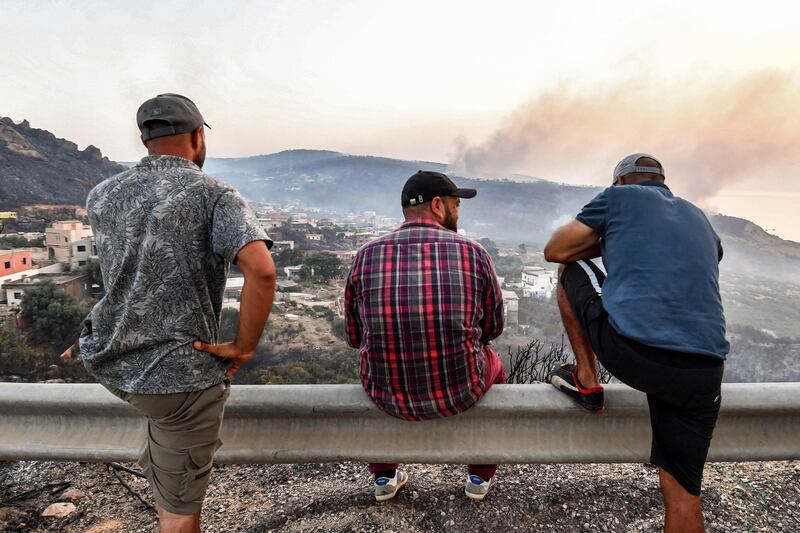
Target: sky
point(556, 90)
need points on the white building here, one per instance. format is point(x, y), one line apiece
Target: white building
point(70, 241)
point(233, 290)
point(345, 256)
point(510, 308)
point(270, 223)
point(277, 246)
point(292, 271)
point(538, 282)
point(366, 236)
point(56, 268)
point(298, 219)
point(76, 285)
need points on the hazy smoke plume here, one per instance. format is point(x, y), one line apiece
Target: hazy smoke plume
point(706, 136)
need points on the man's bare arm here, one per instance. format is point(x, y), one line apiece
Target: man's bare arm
point(571, 242)
point(258, 293)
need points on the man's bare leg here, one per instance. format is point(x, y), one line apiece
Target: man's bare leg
point(584, 356)
point(177, 523)
point(682, 511)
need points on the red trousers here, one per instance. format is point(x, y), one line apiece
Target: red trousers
point(495, 374)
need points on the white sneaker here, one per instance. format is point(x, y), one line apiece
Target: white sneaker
point(386, 487)
point(477, 488)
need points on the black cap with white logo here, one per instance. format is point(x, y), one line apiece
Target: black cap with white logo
point(426, 185)
point(168, 114)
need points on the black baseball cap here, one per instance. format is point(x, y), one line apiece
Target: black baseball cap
point(180, 113)
point(426, 185)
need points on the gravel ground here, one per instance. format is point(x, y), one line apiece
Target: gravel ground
point(338, 497)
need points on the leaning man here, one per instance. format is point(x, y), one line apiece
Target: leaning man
point(423, 304)
point(655, 321)
point(166, 236)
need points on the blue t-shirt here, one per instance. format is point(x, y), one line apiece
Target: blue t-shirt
point(662, 262)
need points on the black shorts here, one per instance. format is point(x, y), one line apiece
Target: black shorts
point(683, 389)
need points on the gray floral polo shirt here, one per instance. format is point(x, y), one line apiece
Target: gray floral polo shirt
point(166, 236)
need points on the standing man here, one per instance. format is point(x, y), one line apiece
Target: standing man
point(655, 322)
point(166, 236)
point(423, 304)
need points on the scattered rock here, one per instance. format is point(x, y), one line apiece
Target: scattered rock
point(107, 526)
point(7, 513)
point(59, 510)
point(334, 498)
point(73, 494)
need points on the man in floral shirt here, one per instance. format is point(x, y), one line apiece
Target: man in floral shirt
point(166, 236)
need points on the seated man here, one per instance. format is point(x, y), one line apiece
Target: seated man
point(423, 303)
point(655, 322)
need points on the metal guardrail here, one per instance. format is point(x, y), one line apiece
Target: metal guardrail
point(320, 423)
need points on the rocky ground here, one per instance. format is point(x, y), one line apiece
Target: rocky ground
point(337, 497)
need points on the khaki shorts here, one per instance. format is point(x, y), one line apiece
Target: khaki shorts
point(182, 435)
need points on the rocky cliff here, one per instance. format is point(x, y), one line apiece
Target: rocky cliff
point(36, 167)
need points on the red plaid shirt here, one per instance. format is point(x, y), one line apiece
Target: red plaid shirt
point(422, 303)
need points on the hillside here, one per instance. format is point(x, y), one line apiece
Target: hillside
point(36, 167)
point(760, 274)
point(752, 251)
point(509, 210)
point(504, 209)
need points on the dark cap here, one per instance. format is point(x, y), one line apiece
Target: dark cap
point(426, 185)
point(180, 113)
point(630, 164)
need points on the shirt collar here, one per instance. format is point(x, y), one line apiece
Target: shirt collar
point(161, 162)
point(654, 183)
point(429, 222)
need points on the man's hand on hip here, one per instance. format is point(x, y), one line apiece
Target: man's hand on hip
point(226, 350)
point(255, 305)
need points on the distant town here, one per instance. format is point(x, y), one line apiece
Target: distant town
point(313, 251)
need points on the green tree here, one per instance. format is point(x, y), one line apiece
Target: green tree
point(92, 269)
point(288, 257)
point(340, 366)
point(8, 242)
point(339, 327)
point(16, 357)
point(51, 316)
point(323, 266)
point(289, 233)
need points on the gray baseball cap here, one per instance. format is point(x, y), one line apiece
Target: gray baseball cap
point(629, 165)
point(180, 113)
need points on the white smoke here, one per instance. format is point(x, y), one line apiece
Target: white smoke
point(707, 136)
